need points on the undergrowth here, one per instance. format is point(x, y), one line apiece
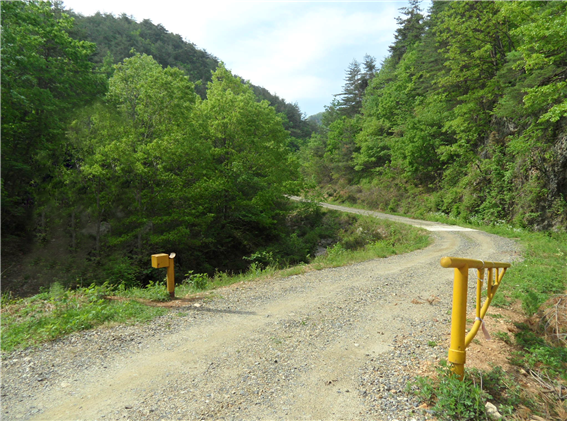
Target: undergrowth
point(57, 311)
point(465, 400)
point(361, 238)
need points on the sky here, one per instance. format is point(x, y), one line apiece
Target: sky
point(297, 50)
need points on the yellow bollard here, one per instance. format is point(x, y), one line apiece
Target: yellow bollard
point(171, 276)
point(457, 353)
point(163, 260)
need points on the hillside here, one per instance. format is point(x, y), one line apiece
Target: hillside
point(466, 117)
point(116, 37)
point(121, 139)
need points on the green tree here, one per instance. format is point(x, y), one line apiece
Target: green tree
point(46, 75)
point(410, 30)
point(356, 81)
point(341, 146)
point(253, 165)
point(138, 157)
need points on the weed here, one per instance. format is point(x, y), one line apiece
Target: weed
point(155, 291)
point(57, 311)
point(198, 280)
point(504, 336)
point(453, 399)
point(538, 353)
point(432, 343)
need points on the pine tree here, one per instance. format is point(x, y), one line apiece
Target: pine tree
point(410, 30)
point(356, 81)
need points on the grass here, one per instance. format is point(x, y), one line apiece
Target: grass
point(57, 311)
point(465, 400)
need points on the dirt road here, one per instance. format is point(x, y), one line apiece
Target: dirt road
point(335, 344)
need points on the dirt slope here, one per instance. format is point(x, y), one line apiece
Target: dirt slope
point(335, 344)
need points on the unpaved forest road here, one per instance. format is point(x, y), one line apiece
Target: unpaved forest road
point(335, 344)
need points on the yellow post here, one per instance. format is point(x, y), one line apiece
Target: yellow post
point(459, 339)
point(457, 354)
point(171, 276)
point(163, 260)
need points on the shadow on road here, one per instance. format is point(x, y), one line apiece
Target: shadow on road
point(215, 310)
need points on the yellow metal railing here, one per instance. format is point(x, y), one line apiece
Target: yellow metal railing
point(459, 339)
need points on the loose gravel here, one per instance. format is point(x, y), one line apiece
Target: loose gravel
point(334, 344)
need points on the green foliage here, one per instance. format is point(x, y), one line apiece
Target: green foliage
point(116, 36)
point(542, 273)
point(198, 280)
point(504, 336)
point(453, 399)
point(46, 75)
point(167, 171)
point(154, 291)
point(57, 311)
point(356, 82)
point(409, 32)
point(538, 353)
point(148, 167)
point(469, 109)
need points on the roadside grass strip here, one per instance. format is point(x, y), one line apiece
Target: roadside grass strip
point(57, 311)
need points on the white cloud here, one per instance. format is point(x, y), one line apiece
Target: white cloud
point(293, 57)
point(297, 50)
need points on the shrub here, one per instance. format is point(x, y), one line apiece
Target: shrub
point(197, 280)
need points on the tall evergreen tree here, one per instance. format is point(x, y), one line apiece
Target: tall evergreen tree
point(356, 82)
point(410, 29)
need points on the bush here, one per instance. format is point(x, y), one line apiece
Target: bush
point(122, 271)
point(465, 400)
point(197, 280)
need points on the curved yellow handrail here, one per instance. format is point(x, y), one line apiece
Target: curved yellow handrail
point(460, 340)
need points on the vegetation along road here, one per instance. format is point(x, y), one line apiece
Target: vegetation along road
point(334, 344)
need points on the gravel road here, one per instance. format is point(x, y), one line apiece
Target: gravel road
point(334, 344)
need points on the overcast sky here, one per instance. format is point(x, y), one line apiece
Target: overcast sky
point(297, 50)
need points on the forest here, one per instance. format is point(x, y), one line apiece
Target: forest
point(466, 117)
point(124, 140)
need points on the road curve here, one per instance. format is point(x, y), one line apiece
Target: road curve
point(326, 345)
